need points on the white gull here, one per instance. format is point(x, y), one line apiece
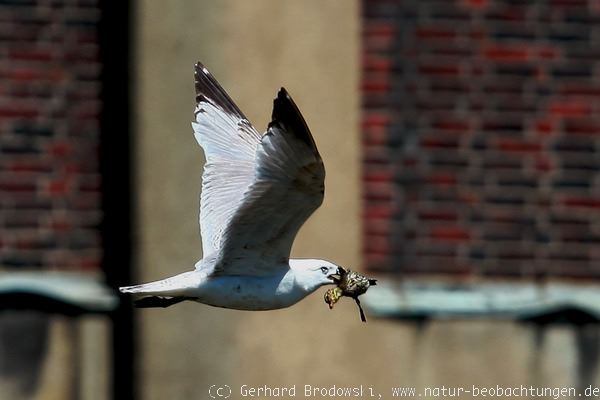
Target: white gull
point(257, 191)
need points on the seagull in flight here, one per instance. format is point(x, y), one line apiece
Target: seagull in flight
point(257, 191)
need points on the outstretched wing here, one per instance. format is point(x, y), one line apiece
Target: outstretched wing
point(287, 187)
point(230, 145)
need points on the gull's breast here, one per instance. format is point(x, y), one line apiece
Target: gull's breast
point(251, 292)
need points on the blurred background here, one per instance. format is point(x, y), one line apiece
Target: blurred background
point(461, 143)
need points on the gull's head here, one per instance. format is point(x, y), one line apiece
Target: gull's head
point(313, 273)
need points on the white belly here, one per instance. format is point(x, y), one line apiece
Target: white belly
point(250, 293)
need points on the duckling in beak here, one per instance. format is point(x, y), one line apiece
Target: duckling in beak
point(349, 284)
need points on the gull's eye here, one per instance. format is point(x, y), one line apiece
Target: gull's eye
point(324, 270)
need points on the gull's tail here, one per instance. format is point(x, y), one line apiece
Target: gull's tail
point(175, 286)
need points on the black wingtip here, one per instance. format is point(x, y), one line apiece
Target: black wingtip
point(282, 93)
point(201, 75)
point(208, 88)
point(286, 113)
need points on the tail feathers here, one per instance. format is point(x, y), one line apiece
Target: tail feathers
point(153, 288)
point(171, 287)
point(132, 289)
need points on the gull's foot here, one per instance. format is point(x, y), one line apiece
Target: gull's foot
point(363, 318)
point(156, 301)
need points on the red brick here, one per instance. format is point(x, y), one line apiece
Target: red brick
point(90, 184)
point(582, 202)
point(476, 4)
point(379, 35)
point(22, 220)
point(516, 254)
point(33, 74)
point(19, 110)
point(452, 124)
point(434, 32)
point(527, 104)
point(469, 197)
point(88, 263)
point(518, 146)
point(58, 187)
point(570, 3)
point(409, 162)
point(378, 227)
point(512, 14)
point(16, 186)
point(580, 89)
point(49, 76)
point(506, 124)
point(375, 136)
point(439, 143)
point(477, 33)
point(379, 28)
point(440, 215)
point(376, 119)
point(379, 85)
point(376, 155)
point(548, 53)
point(378, 211)
point(32, 54)
point(375, 129)
point(377, 261)
point(452, 51)
point(377, 245)
point(439, 69)
point(443, 179)
point(379, 175)
point(377, 64)
point(31, 165)
point(569, 108)
point(582, 127)
point(60, 149)
point(544, 163)
point(378, 191)
point(545, 127)
point(506, 53)
point(60, 225)
point(450, 233)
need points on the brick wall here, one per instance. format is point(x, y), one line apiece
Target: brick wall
point(481, 137)
point(49, 135)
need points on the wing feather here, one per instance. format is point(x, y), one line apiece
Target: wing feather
point(288, 187)
point(229, 142)
point(257, 191)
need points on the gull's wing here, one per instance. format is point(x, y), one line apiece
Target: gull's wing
point(287, 187)
point(229, 142)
